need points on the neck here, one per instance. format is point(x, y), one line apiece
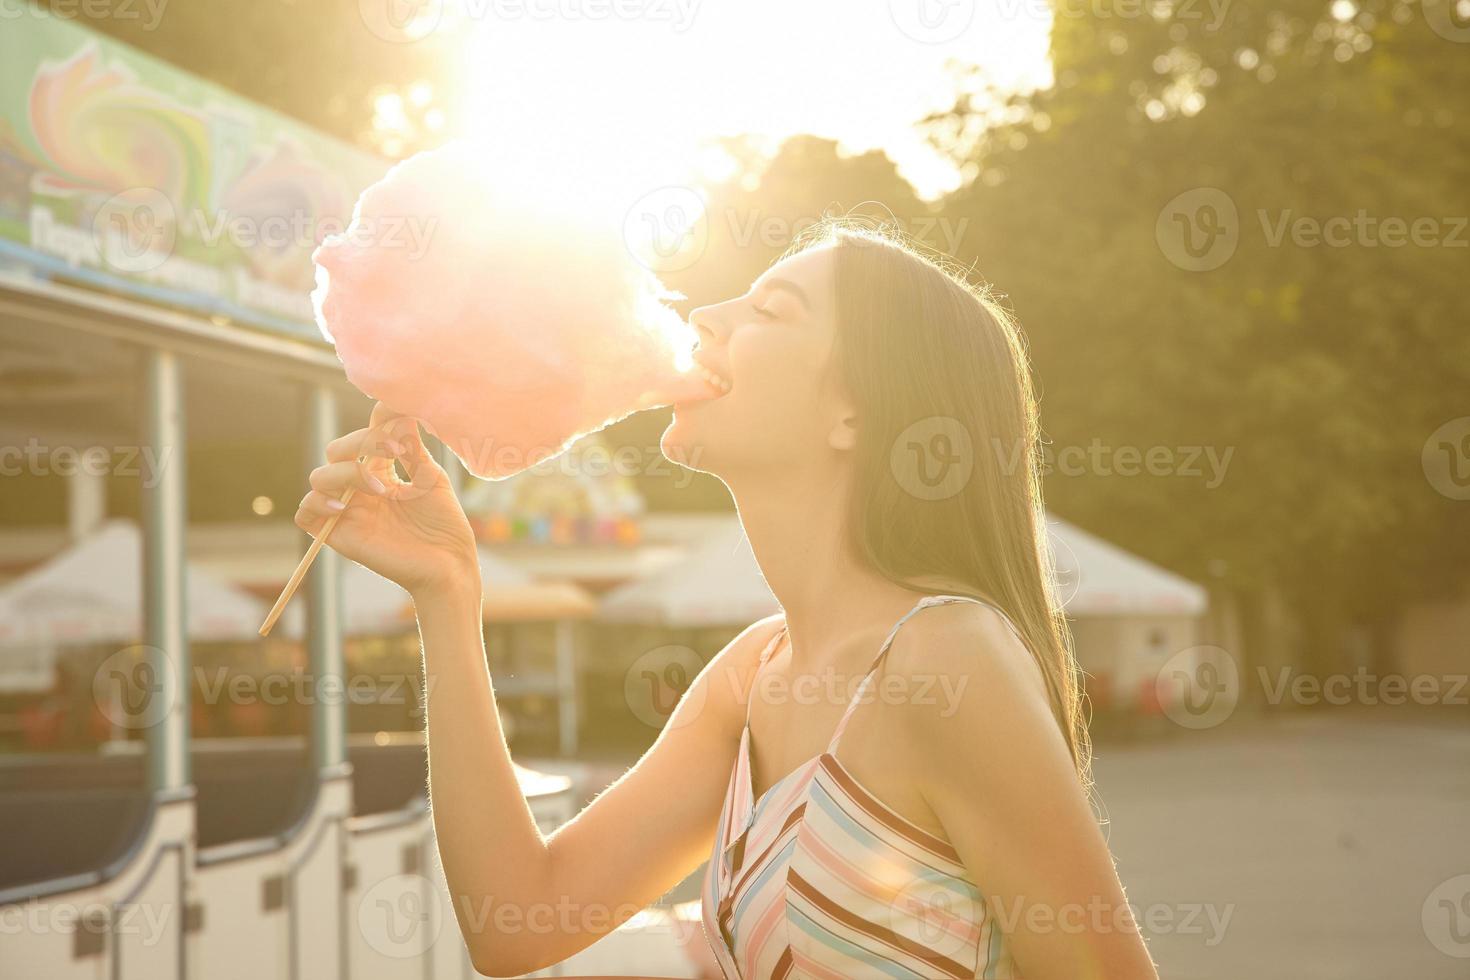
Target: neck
point(802, 542)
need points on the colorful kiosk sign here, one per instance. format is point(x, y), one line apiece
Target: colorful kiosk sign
point(125, 174)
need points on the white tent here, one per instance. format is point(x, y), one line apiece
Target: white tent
point(372, 605)
point(1097, 578)
point(93, 593)
point(720, 584)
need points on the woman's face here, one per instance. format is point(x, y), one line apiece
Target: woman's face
point(772, 346)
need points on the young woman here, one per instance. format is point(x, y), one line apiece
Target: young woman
point(891, 777)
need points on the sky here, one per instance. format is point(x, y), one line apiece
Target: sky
point(644, 81)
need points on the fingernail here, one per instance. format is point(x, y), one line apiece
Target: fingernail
point(336, 505)
point(396, 448)
point(376, 485)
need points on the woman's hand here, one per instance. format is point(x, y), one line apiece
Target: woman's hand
point(411, 531)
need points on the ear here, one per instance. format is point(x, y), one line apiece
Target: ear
point(843, 436)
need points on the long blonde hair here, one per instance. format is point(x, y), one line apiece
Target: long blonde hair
point(933, 362)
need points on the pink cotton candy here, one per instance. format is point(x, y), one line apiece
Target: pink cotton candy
point(490, 293)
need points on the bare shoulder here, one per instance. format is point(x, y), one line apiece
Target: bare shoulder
point(985, 687)
point(966, 639)
point(723, 681)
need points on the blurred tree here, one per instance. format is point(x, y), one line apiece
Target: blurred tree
point(1319, 343)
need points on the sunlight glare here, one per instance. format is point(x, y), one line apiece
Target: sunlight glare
point(648, 96)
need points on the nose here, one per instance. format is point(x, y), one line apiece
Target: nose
point(709, 325)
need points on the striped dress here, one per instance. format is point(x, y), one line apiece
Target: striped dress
point(820, 879)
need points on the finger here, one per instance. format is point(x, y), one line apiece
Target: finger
point(382, 416)
point(402, 432)
point(335, 479)
point(421, 468)
point(321, 504)
point(370, 443)
point(309, 521)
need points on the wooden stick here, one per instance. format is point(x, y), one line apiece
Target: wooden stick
point(302, 567)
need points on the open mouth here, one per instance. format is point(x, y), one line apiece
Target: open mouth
point(718, 382)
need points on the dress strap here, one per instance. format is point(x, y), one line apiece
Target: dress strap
point(867, 681)
point(755, 675)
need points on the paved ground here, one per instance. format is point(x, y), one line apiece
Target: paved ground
point(1297, 848)
point(1321, 836)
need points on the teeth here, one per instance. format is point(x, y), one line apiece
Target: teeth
point(713, 378)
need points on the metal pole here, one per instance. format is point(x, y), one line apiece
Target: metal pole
point(324, 608)
point(566, 686)
point(165, 616)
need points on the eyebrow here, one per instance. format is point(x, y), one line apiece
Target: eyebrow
point(786, 286)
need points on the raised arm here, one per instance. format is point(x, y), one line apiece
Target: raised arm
point(523, 901)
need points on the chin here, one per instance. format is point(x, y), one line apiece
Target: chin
point(682, 443)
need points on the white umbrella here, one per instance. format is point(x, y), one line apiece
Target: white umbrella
point(1097, 578)
point(372, 605)
point(718, 584)
point(93, 593)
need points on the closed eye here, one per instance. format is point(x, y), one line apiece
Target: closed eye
point(763, 312)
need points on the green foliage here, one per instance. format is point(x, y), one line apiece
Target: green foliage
point(1324, 367)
